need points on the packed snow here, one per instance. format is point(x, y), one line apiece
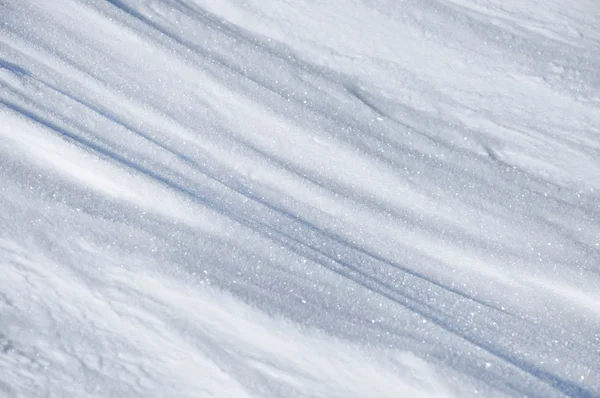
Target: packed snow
point(271, 198)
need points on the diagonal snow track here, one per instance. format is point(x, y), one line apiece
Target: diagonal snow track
point(249, 198)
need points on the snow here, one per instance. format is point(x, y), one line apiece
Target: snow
point(300, 199)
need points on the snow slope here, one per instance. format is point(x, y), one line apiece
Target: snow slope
point(299, 199)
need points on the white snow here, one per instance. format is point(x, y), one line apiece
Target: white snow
point(299, 199)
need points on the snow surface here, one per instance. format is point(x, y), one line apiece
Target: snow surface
point(342, 198)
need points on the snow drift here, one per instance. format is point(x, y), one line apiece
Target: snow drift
point(299, 199)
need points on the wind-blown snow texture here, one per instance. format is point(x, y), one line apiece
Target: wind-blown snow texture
point(299, 198)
